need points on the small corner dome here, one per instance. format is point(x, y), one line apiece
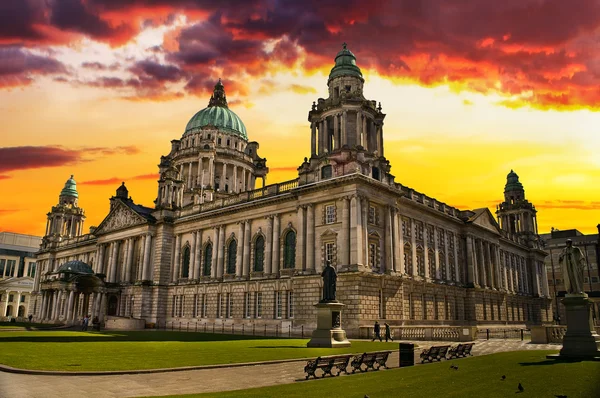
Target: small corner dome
point(218, 114)
point(345, 65)
point(70, 188)
point(75, 267)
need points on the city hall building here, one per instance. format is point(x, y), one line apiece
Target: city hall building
point(221, 247)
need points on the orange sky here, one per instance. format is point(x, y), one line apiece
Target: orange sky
point(99, 88)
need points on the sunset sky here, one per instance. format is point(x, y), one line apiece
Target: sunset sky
point(471, 89)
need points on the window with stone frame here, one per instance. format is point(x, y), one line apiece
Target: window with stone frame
point(204, 306)
point(432, 265)
point(258, 305)
point(219, 305)
point(420, 261)
point(290, 304)
point(450, 236)
point(430, 234)
point(185, 263)
point(259, 254)
point(406, 230)
point(326, 171)
point(31, 269)
point(441, 238)
point(443, 274)
point(289, 250)
point(247, 304)
point(372, 217)
point(419, 231)
point(278, 305)
point(330, 252)
point(231, 257)
point(408, 261)
point(229, 306)
point(195, 309)
point(374, 253)
point(330, 214)
point(207, 260)
point(452, 262)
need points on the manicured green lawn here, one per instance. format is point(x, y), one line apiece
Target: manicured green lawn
point(25, 325)
point(475, 377)
point(77, 351)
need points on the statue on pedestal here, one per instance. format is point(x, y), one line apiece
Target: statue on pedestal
point(571, 261)
point(329, 283)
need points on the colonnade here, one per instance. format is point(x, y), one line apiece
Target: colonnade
point(196, 174)
point(70, 305)
point(122, 268)
point(331, 133)
point(518, 222)
point(68, 225)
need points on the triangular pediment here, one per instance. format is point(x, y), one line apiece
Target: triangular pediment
point(24, 283)
point(484, 218)
point(120, 217)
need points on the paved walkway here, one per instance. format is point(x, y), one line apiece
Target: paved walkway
point(195, 381)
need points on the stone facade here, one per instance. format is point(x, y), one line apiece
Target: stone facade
point(238, 254)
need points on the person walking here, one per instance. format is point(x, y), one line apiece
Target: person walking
point(388, 333)
point(377, 330)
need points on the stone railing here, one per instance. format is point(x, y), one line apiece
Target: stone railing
point(550, 334)
point(424, 333)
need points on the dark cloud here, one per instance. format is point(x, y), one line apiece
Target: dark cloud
point(18, 66)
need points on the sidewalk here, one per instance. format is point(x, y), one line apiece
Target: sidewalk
point(195, 381)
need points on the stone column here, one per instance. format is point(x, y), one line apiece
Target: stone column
point(344, 140)
point(397, 242)
point(176, 262)
point(359, 136)
point(335, 132)
point(320, 137)
point(310, 240)
point(223, 177)
point(276, 244)
point(240, 250)
point(471, 261)
point(269, 246)
point(325, 135)
point(44, 303)
point(192, 270)
point(300, 247)
point(388, 266)
point(54, 312)
point(189, 179)
point(129, 263)
point(355, 231)
point(200, 177)
point(147, 265)
point(70, 306)
point(344, 243)
point(102, 307)
point(436, 253)
point(400, 240)
point(215, 253)
point(235, 181)
point(426, 253)
point(313, 138)
point(114, 259)
point(198, 255)
point(365, 231)
point(221, 255)
point(365, 133)
point(211, 172)
point(247, 238)
point(244, 185)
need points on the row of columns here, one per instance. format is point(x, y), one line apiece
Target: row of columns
point(57, 224)
point(72, 304)
point(121, 271)
point(245, 181)
point(524, 221)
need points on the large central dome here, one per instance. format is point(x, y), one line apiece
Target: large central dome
point(218, 114)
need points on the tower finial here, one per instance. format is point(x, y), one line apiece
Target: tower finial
point(344, 46)
point(218, 97)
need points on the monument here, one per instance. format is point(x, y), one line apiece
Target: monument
point(581, 340)
point(329, 332)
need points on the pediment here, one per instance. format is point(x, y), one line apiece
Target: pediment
point(24, 283)
point(329, 232)
point(485, 219)
point(120, 217)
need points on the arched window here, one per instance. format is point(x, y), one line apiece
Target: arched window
point(259, 254)
point(231, 256)
point(207, 260)
point(289, 250)
point(185, 263)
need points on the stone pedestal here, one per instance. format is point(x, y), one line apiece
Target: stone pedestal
point(581, 340)
point(329, 332)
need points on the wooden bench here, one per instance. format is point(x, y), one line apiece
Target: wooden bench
point(434, 353)
point(461, 350)
point(370, 360)
point(327, 365)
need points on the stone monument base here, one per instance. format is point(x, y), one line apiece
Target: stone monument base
point(581, 340)
point(329, 332)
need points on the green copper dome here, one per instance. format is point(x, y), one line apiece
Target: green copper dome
point(218, 114)
point(512, 182)
point(70, 188)
point(75, 267)
point(345, 65)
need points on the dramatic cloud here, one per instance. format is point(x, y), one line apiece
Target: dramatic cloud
point(18, 66)
point(33, 157)
point(118, 180)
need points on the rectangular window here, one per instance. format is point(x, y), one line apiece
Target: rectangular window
point(329, 251)
point(204, 305)
point(419, 231)
point(31, 269)
point(21, 271)
point(11, 298)
point(229, 306)
point(372, 255)
point(219, 299)
point(290, 303)
point(372, 215)
point(248, 305)
point(258, 305)
point(2, 266)
point(22, 298)
point(406, 227)
point(329, 214)
point(278, 305)
point(594, 279)
point(10, 268)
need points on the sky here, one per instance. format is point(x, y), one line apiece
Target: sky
point(471, 90)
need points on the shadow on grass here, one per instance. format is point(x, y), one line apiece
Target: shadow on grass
point(111, 336)
point(279, 346)
point(548, 362)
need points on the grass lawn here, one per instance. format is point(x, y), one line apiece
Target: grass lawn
point(25, 325)
point(77, 351)
point(475, 377)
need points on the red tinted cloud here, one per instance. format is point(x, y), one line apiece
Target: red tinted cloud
point(118, 180)
point(18, 67)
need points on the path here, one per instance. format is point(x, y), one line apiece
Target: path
point(195, 381)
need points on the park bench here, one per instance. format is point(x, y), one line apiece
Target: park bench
point(434, 353)
point(370, 360)
point(461, 350)
point(327, 364)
